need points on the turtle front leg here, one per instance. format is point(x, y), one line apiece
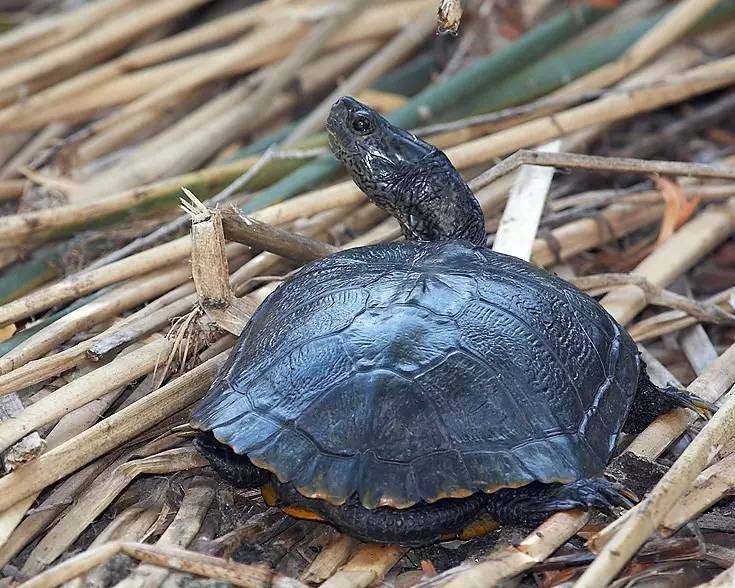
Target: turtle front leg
point(236, 469)
point(530, 505)
point(652, 401)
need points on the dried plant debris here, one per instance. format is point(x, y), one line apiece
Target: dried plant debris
point(449, 16)
point(598, 138)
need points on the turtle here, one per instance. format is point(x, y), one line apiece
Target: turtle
point(421, 390)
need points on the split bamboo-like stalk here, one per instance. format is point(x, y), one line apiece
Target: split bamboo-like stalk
point(518, 226)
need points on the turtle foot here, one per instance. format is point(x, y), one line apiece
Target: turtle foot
point(599, 493)
point(684, 399)
point(531, 504)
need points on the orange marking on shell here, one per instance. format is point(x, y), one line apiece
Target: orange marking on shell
point(319, 494)
point(478, 528)
point(299, 512)
point(268, 492)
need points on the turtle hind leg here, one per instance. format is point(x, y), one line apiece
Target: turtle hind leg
point(236, 469)
point(415, 526)
point(530, 505)
point(651, 401)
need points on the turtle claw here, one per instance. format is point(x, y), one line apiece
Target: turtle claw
point(684, 399)
point(703, 408)
point(604, 495)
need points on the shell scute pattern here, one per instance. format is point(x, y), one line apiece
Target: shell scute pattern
point(580, 331)
point(417, 371)
point(386, 483)
point(325, 315)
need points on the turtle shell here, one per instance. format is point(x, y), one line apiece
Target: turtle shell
point(417, 371)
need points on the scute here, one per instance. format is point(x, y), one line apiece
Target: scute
point(416, 371)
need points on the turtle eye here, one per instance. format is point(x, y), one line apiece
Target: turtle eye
point(362, 124)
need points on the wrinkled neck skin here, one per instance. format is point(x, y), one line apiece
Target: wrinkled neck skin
point(429, 199)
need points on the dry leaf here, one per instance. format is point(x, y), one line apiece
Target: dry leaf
point(511, 23)
point(678, 208)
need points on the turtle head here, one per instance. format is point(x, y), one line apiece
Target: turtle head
point(371, 147)
point(410, 178)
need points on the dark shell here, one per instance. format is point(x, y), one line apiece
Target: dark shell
point(417, 371)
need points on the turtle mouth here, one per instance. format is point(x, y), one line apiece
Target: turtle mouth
point(337, 147)
point(332, 139)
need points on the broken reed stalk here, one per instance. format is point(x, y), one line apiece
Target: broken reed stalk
point(449, 16)
point(84, 390)
point(669, 30)
point(247, 576)
point(210, 270)
point(109, 433)
point(598, 163)
point(693, 82)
